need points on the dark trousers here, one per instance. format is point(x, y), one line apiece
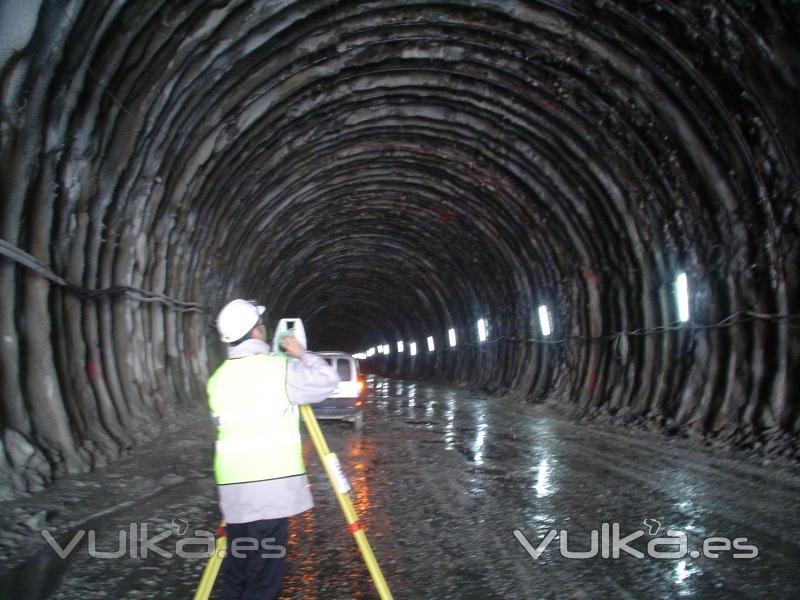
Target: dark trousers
point(252, 568)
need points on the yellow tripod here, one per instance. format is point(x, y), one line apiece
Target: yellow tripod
point(340, 487)
point(212, 567)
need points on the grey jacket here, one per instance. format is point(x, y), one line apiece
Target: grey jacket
point(309, 380)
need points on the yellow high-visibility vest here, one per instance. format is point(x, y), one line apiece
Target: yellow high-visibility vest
point(258, 429)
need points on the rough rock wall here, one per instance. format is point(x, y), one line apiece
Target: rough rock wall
point(389, 170)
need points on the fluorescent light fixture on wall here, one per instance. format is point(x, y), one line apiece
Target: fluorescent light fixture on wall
point(412, 348)
point(682, 296)
point(451, 336)
point(481, 330)
point(431, 347)
point(544, 320)
point(400, 347)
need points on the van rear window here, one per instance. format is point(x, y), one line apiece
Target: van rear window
point(343, 367)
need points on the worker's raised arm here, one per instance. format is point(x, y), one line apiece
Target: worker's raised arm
point(310, 379)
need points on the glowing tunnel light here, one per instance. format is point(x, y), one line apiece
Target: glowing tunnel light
point(412, 348)
point(544, 320)
point(400, 347)
point(431, 346)
point(386, 348)
point(451, 336)
point(481, 330)
point(371, 352)
point(682, 295)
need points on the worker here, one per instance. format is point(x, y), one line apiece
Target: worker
point(258, 462)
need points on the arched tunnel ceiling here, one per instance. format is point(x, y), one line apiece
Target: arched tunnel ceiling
point(388, 170)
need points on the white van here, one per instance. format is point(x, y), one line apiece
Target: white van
point(346, 401)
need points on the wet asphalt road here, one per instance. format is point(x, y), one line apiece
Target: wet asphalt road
point(442, 478)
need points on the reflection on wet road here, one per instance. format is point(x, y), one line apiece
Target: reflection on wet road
point(443, 477)
point(462, 496)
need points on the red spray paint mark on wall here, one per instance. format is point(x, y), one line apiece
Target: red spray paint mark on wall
point(93, 366)
point(446, 214)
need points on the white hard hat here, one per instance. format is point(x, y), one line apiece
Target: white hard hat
point(237, 318)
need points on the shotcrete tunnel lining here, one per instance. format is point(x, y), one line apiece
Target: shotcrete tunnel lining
point(619, 338)
point(403, 169)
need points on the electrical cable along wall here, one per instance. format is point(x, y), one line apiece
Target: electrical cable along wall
point(387, 171)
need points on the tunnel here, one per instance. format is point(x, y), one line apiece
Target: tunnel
point(521, 189)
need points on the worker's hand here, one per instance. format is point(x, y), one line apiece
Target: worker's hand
point(292, 346)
